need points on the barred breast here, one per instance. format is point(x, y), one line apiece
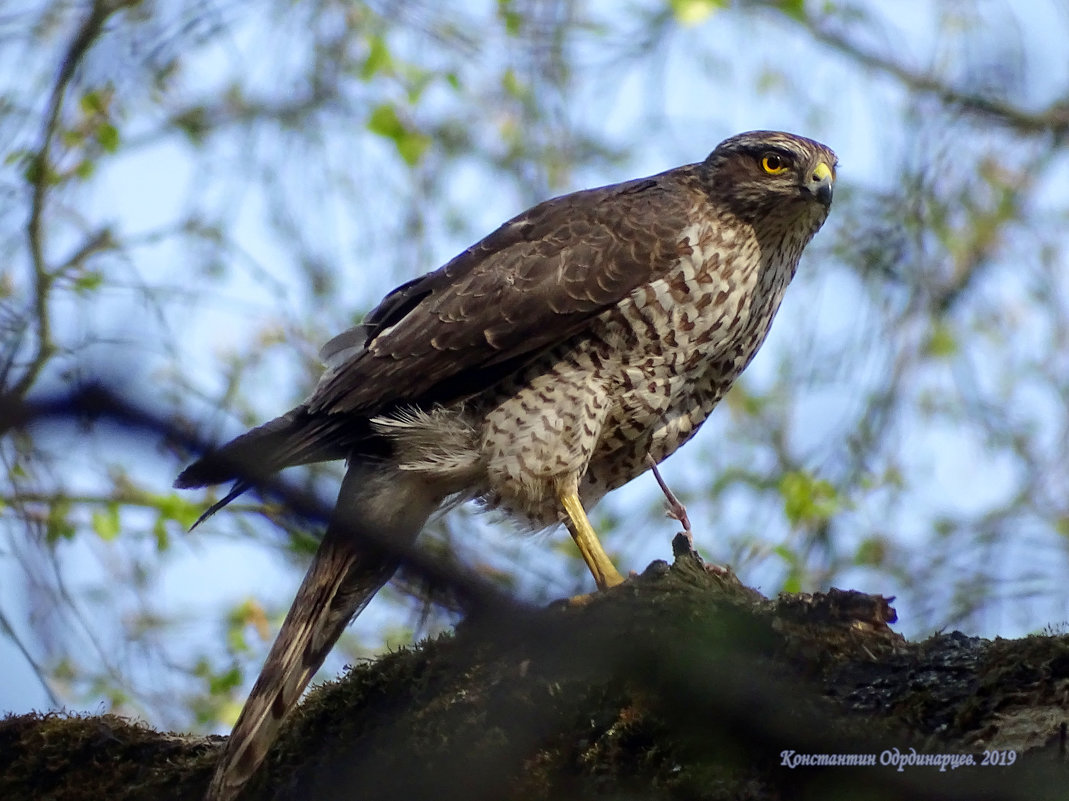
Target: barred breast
point(639, 381)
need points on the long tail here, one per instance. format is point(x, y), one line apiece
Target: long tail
point(345, 573)
point(297, 437)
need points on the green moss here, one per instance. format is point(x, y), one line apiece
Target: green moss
point(78, 758)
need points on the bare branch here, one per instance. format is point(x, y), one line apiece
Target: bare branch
point(1053, 119)
point(43, 277)
point(95, 403)
point(38, 669)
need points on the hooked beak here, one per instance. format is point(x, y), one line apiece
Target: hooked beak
point(821, 183)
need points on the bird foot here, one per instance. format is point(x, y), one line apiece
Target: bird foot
point(675, 509)
point(585, 598)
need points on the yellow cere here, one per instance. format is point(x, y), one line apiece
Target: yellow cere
point(821, 172)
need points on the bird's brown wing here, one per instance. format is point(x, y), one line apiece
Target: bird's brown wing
point(528, 286)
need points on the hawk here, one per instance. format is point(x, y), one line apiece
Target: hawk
point(539, 369)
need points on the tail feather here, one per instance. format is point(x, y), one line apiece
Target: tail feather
point(297, 437)
point(239, 488)
point(256, 454)
point(376, 506)
point(338, 585)
point(261, 451)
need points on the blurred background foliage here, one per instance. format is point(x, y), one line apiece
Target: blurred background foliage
point(198, 193)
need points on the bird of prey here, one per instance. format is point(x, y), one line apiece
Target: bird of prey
point(542, 367)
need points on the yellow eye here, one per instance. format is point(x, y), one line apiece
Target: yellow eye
point(774, 164)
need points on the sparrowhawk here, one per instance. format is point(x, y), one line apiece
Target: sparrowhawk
point(539, 369)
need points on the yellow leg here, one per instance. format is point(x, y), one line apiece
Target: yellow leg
point(605, 574)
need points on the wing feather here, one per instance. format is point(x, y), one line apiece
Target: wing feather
point(530, 285)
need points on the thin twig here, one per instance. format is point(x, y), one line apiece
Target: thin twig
point(1054, 119)
point(37, 667)
point(42, 276)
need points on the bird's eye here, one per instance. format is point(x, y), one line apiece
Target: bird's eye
point(774, 164)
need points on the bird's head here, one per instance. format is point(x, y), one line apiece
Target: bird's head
point(770, 174)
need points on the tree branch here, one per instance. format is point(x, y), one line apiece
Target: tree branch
point(43, 276)
point(1054, 119)
point(679, 684)
point(94, 403)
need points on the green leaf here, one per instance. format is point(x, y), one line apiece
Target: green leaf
point(513, 19)
point(793, 583)
point(301, 542)
point(872, 551)
point(942, 344)
point(64, 671)
point(385, 122)
point(88, 281)
point(93, 102)
point(58, 525)
point(194, 123)
point(21, 154)
point(378, 58)
point(175, 507)
point(159, 531)
point(248, 613)
point(511, 84)
point(222, 683)
point(34, 170)
point(106, 522)
point(786, 554)
point(807, 499)
point(108, 137)
point(412, 147)
point(72, 137)
point(793, 580)
point(418, 81)
point(411, 144)
point(235, 640)
point(793, 8)
point(694, 12)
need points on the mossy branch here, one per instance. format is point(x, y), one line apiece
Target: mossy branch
point(680, 684)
